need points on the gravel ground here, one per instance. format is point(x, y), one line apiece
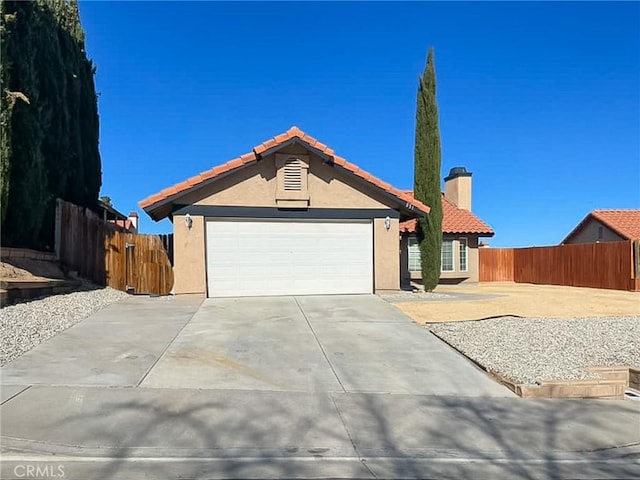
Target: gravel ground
point(25, 325)
point(414, 296)
point(529, 350)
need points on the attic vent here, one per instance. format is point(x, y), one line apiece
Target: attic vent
point(293, 175)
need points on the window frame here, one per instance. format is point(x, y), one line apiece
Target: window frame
point(466, 254)
point(413, 241)
point(453, 256)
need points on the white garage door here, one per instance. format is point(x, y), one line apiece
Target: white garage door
point(246, 258)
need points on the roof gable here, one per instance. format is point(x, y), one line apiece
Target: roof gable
point(454, 221)
point(625, 223)
point(293, 135)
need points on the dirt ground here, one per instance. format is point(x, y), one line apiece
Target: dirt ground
point(28, 269)
point(525, 300)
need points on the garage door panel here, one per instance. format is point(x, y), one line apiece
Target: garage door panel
point(288, 258)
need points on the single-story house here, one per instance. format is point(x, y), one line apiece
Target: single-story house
point(111, 215)
point(606, 226)
point(461, 230)
point(288, 218)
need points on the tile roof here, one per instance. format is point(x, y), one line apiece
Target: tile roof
point(126, 224)
point(454, 220)
point(625, 223)
point(259, 150)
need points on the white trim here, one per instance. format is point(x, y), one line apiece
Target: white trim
point(453, 256)
point(409, 240)
point(466, 254)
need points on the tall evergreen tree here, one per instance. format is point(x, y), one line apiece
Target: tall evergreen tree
point(49, 119)
point(427, 165)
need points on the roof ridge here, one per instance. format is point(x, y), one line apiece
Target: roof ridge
point(615, 210)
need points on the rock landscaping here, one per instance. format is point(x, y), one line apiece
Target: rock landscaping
point(530, 350)
point(25, 325)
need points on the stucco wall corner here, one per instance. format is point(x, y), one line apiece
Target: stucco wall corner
point(189, 255)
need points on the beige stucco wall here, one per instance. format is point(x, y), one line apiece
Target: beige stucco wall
point(470, 276)
point(458, 191)
point(189, 256)
point(589, 233)
point(255, 186)
point(386, 257)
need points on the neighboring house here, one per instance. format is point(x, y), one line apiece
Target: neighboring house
point(461, 230)
point(289, 217)
point(111, 215)
point(606, 226)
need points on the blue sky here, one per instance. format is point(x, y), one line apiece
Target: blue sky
point(541, 101)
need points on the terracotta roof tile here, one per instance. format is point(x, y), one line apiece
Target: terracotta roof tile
point(248, 157)
point(625, 222)
point(195, 180)
point(235, 163)
point(293, 132)
point(454, 220)
point(207, 175)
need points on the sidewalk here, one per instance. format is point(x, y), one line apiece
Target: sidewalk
point(98, 432)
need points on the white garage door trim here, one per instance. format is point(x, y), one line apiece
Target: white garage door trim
point(260, 257)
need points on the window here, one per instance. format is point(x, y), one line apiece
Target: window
point(600, 233)
point(447, 256)
point(414, 255)
point(463, 254)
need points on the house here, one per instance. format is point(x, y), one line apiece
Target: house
point(461, 231)
point(606, 226)
point(288, 218)
point(111, 215)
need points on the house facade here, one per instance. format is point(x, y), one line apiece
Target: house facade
point(606, 226)
point(461, 231)
point(288, 218)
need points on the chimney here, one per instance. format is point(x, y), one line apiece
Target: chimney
point(457, 188)
point(133, 218)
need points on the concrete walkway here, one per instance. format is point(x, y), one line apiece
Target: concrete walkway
point(307, 387)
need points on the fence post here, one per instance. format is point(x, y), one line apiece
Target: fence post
point(58, 229)
point(636, 259)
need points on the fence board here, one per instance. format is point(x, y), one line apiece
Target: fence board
point(496, 264)
point(98, 252)
point(598, 265)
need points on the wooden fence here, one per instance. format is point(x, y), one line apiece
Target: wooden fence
point(167, 241)
point(107, 255)
point(611, 265)
point(496, 264)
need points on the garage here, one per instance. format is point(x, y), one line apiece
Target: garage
point(289, 217)
point(257, 257)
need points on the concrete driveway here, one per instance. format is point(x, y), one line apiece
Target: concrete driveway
point(316, 343)
point(306, 387)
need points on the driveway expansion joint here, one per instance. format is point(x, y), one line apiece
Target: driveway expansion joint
point(11, 397)
point(142, 379)
point(315, 336)
point(353, 443)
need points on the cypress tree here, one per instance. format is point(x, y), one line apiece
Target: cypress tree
point(49, 119)
point(427, 165)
